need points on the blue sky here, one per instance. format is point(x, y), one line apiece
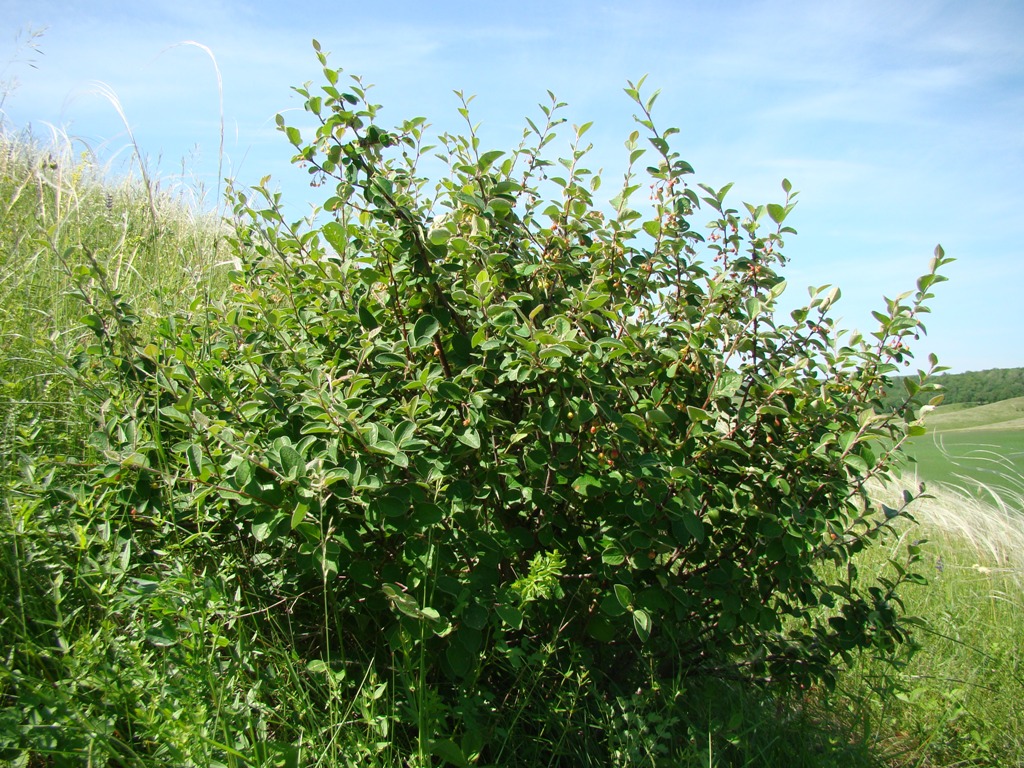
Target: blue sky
point(901, 123)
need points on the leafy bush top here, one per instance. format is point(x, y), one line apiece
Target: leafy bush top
point(504, 423)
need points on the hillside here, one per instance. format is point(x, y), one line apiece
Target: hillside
point(971, 388)
point(975, 448)
point(1005, 414)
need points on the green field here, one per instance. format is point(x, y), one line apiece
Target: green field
point(971, 447)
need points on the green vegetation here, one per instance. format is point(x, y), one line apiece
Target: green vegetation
point(983, 387)
point(402, 488)
point(979, 448)
point(971, 388)
point(957, 702)
point(60, 213)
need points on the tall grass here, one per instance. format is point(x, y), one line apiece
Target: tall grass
point(957, 700)
point(124, 643)
point(61, 208)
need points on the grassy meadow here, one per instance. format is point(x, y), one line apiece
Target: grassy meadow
point(119, 654)
point(977, 448)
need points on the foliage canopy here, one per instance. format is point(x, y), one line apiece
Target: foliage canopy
point(503, 428)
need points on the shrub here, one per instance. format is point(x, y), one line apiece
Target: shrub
point(507, 434)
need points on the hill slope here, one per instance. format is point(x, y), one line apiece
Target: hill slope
point(971, 388)
point(1005, 414)
point(975, 448)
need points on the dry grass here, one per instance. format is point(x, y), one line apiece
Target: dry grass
point(991, 525)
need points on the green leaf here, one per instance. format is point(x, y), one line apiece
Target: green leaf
point(243, 474)
point(448, 751)
point(586, 485)
point(424, 330)
point(461, 490)
point(402, 601)
point(511, 616)
point(459, 659)
point(856, 463)
point(623, 595)
point(404, 432)
point(299, 514)
point(658, 416)
point(471, 438)
point(390, 359)
point(693, 525)
point(451, 392)
point(384, 447)
point(368, 321)
point(556, 350)
point(265, 522)
point(172, 413)
point(392, 506)
point(697, 414)
point(847, 439)
point(162, 636)
point(439, 236)
point(500, 206)
point(334, 234)
point(291, 462)
point(613, 556)
point(194, 454)
point(727, 385)
point(642, 624)
point(487, 159)
point(548, 421)
point(610, 606)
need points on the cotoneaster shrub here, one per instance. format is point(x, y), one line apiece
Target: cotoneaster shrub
point(506, 430)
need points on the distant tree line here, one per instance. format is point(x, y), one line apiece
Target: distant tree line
point(972, 387)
